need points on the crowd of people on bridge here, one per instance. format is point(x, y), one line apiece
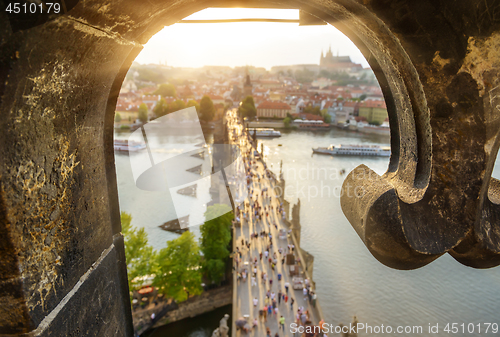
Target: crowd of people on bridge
point(261, 257)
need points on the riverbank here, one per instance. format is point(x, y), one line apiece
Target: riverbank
point(362, 131)
point(266, 124)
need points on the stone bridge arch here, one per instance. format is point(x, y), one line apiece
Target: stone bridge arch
point(60, 244)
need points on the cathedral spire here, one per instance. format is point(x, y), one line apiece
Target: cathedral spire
point(329, 54)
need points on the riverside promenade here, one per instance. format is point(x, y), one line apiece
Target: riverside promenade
point(247, 289)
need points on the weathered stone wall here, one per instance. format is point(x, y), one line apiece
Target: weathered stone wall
point(61, 252)
point(444, 133)
point(59, 224)
point(207, 301)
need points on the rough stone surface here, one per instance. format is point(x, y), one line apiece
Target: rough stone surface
point(207, 301)
point(409, 217)
point(437, 63)
point(95, 308)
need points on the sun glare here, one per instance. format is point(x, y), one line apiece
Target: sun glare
point(262, 44)
point(242, 13)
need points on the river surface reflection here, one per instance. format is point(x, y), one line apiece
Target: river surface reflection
point(349, 280)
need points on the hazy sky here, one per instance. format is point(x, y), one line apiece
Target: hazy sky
point(239, 44)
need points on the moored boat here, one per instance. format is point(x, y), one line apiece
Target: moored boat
point(126, 145)
point(383, 129)
point(313, 125)
point(354, 150)
point(264, 132)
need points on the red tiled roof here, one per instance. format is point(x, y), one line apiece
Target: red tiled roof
point(349, 103)
point(328, 104)
point(308, 116)
point(372, 104)
point(147, 90)
point(312, 117)
point(273, 105)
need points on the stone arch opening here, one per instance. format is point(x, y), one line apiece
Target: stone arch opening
point(59, 83)
point(67, 74)
point(395, 161)
point(163, 242)
point(410, 164)
point(407, 108)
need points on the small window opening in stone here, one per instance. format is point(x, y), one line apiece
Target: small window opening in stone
point(230, 137)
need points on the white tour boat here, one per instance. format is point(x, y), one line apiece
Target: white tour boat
point(126, 145)
point(355, 150)
point(264, 132)
point(383, 129)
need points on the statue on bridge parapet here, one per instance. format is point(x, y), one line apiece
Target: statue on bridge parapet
point(223, 329)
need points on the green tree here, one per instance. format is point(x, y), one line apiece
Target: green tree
point(178, 273)
point(247, 108)
point(150, 75)
point(363, 96)
point(207, 109)
point(166, 90)
point(312, 110)
point(324, 73)
point(176, 106)
point(118, 117)
point(287, 122)
point(304, 75)
point(192, 102)
point(139, 255)
point(161, 108)
point(143, 113)
point(215, 239)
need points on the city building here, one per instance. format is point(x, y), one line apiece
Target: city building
point(272, 109)
point(277, 96)
point(373, 111)
point(247, 87)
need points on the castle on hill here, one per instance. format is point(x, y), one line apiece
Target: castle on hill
point(337, 63)
point(327, 62)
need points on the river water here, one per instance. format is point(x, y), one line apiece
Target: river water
point(349, 280)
